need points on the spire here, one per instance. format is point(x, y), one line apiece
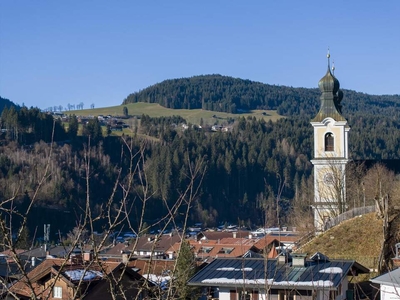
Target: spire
point(328, 55)
point(328, 83)
point(330, 95)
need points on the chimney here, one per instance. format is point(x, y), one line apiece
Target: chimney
point(250, 236)
point(125, 258)
point(299, 259)
point(88, 256)
point(75, 258)
point(234, 234)
point(282, 258)
point(33, 259)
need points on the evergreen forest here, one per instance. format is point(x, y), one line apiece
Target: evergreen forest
point(257, 173)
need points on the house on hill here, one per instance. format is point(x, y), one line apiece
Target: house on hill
point(287, 277)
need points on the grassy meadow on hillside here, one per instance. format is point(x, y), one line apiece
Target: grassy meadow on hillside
point(359, 238)
point(192, 116)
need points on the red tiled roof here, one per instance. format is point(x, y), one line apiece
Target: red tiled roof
point(156, 242)
point(218, 235)
point(219, 249)
point(151, 266)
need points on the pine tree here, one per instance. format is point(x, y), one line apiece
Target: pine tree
point(185, 269)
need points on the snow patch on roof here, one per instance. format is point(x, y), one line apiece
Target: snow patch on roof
point(332, 270)
point(316, 284)
point(83, 274)
point(234, 269)
point(158, 279)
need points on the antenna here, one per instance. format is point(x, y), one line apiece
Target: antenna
point(46, 237)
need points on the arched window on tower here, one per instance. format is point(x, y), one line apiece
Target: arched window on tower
point(329, 142)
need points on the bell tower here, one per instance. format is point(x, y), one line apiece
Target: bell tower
point(330, 152)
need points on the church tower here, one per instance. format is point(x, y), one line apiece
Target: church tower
point(330, 152)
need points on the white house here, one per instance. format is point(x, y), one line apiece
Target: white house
point(390, 282)
point(389, 285)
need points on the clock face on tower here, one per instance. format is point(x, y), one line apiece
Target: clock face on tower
point(328, 178)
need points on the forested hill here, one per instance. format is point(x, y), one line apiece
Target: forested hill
point(5, 103)
point(228, 94)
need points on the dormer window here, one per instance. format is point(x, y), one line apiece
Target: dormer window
point(225, 250)
point(329, 142)
point(205, 249)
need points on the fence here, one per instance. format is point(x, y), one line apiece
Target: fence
point(358, 211)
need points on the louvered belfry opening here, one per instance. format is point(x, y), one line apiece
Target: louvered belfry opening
point(329, 142)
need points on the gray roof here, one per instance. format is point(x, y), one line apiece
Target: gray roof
point(315, 274)
point(390, 278)
point(57, 251)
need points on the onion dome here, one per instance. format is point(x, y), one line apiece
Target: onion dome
point(331, 97)
point(329, 83)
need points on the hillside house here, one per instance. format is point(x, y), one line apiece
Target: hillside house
point(287, 277)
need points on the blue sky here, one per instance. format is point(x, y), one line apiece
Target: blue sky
point(60, 52)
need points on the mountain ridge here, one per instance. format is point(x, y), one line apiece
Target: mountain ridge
point(228, 94)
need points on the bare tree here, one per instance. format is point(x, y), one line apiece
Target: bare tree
point(131, 195)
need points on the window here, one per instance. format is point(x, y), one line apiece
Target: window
point(329, 142)
point(225, 250)
point(205, 249)
point(244, 295)
point(333, 295)
point(57, 292)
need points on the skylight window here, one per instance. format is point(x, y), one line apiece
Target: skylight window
point(205, 249)
point(225, 250)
